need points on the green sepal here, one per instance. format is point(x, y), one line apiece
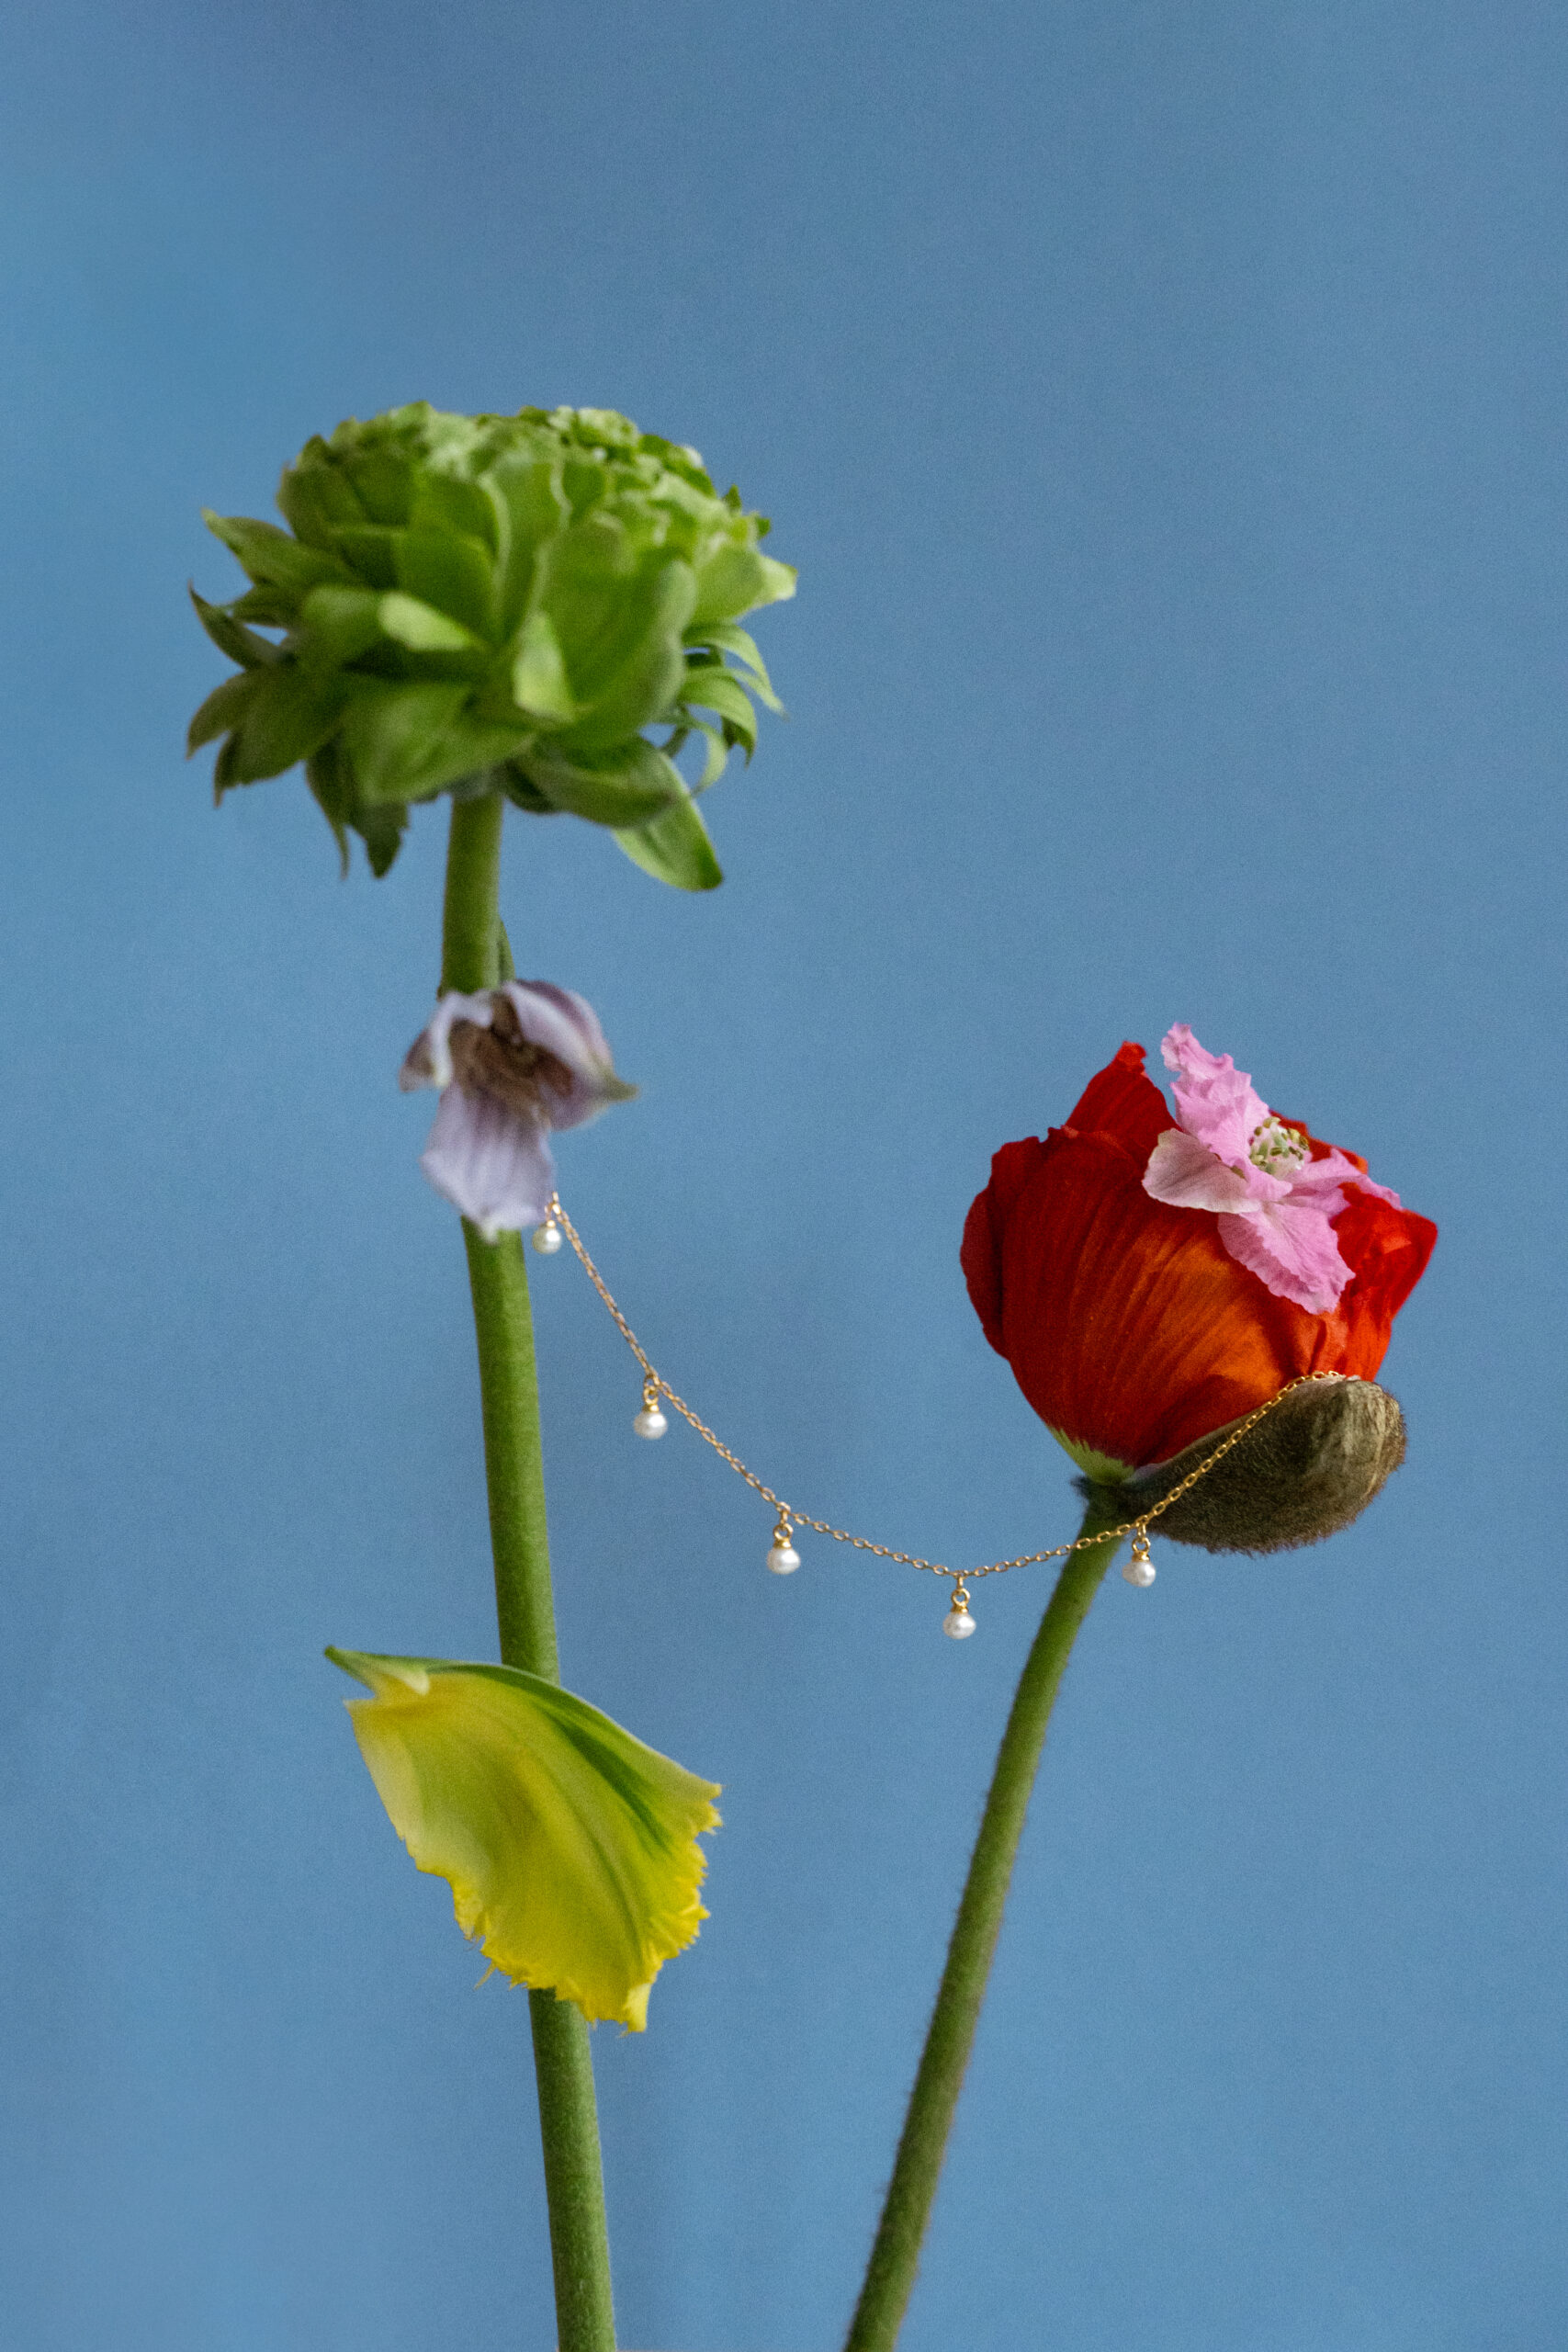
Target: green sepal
point(315, 498)
point(337, 626)
point(371, 550)
point(728, 636)
point(619, 788)
point(288, 715)
point(712, 687)
point(231, 637)
point(717, 756)
point(331, 788)
point(523, 792)
point(407, 742)
point(381, 830)
point(383, 482)
point(271, 608)
point(272, 558)
point(674, 848)
point(223, 709)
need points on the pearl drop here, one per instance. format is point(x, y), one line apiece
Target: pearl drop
point(1139, 1572)
point(547, 1239)
point(783, 1559)
point(958, 1624)
point(650, 1422)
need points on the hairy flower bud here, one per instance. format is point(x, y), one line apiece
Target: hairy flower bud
point(495, 603)
point(1310, 1467)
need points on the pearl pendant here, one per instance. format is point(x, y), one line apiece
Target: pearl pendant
point(958, 1624)
point(1140, 1568)
point(783, 1559)
point(547, 1238)
point(651, 1421)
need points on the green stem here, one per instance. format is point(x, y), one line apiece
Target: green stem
point(514, 1474)
point(895, 2254)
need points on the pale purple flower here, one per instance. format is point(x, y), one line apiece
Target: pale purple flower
point(511, 1063)
point(1276, 1203)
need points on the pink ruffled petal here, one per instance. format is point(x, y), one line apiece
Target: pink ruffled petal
point(1319, 1184)
point(1292, 1251)
point(1186, 1175)
point(1214, 1101)
point(493, 1167)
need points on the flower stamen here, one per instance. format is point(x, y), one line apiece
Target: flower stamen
point(1278, 1149)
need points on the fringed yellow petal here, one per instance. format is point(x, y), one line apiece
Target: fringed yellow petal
point(569, 1846)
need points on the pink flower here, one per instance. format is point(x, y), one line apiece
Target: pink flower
point(512, 1063)
point(1275, 1193)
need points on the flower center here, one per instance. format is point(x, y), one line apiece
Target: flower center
point(1276, 1148)
point(500, 1062)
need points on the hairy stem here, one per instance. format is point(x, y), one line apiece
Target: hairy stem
point(896, 2253)
point(514, 1474)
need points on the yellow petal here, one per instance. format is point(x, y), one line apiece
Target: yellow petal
point(571, 1847)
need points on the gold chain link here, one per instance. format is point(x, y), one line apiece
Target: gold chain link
point(655, 1384)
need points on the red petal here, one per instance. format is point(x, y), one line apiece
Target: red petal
point(1387, 1249)
point(988, 1211)
point(1128, 1325)
point(1121, 1101)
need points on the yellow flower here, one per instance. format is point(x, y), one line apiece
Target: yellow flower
point(571, 1847)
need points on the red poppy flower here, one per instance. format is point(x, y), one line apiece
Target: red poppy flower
point(1135, 1326)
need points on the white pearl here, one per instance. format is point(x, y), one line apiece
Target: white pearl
point(783, 1559)
point(1139, 1572)
point(547, 1239)
point(958, 1624)
point(650, 1422)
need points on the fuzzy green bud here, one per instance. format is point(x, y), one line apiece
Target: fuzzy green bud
point(1306, 1470)
point(495, 603)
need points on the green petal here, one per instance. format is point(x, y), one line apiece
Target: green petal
point(674, 848)
point(736, 578)
point(626, 786)
point(538, 674)
point(570, 1849)
point(617, 619)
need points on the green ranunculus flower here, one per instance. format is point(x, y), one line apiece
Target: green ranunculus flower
point(473, 604)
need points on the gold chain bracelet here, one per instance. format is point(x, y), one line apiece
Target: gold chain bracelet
point(783, 1557)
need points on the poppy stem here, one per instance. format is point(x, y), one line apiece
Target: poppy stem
point(514, 1474)
point(896, 2253)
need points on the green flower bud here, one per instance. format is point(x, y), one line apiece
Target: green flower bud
point(482, 604)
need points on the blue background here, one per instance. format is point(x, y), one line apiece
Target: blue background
point(1164, 404)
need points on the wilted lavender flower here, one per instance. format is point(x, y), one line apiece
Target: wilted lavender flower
point(511, 1063)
